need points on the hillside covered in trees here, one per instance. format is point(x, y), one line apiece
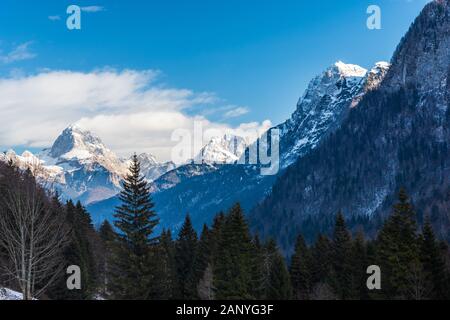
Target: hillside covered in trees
point(226, 261)
point(398, 136)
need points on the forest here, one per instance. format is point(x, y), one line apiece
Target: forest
point(40, 236)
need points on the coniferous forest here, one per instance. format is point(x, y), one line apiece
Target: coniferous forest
point(40, 237)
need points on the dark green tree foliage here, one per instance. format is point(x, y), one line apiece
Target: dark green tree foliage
point(107, 236)
point(434, 264)
point(233, 265)
point(164, 268)
point(215, 235)
point(359, 264)
point(279, 286)
point(185, 253)
point(260, 280)
point(203, 254)
point(132, 276)
point(321, 259)
point(301, 270)
point(203, 265)
point(80, 252)
point(341, 249)
point(398, 253)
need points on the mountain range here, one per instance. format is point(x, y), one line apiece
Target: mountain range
point(355, 138)
point(397, 137)
point(188, 188)
point(80, 167)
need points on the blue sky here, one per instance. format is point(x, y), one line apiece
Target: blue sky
point(255, 57)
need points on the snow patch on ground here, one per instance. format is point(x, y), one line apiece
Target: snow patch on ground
point(8, 294)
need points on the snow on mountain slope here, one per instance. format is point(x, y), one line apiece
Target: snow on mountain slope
point(324, 104)
point(81, 167)
point(320, 111)
point(150, 167)
point(396, 137)
point(225, 149)
point(49, 174)
point(76, 146)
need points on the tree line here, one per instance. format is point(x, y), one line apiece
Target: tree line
point(129, 260)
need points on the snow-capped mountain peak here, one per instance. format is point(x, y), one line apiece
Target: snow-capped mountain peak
point(225, 149)
point(350, 70)
point(324, 104)
point(150, 167)
point(147, 159)
point(77, 143)
point(81, 167)
point(375, 76)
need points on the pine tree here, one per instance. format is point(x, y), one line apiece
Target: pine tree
point(164, 268)
point(107, 236)
point(300, 270)
point(203, 253)
point(135, 220)
point(186, 248)
point(340, 279)
point(87, 237)
point(279, 281)
point(79, 252)
point(106, 232)
point(321, 259)
point(433, 263)
point(233, 265)
point(203, 266)
point(398, 253)
point(260, 278)
point(215, 235)
point(359, 264)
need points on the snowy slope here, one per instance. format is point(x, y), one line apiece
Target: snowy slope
point(324, 105)
point(8, 294)
point(222, 150)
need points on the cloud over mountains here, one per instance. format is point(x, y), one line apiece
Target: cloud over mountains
point(131, 110)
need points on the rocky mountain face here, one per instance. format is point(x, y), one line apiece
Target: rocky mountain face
point(202, 190)
point(325, 103)
point(398, 136)
point(222, 150)
point(80, 167)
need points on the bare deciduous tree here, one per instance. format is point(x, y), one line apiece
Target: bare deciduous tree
point(32, 234)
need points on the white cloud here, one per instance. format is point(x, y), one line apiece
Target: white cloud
point(54, 18)
point(236, 112)
point(92, 9)
point(21, 52)
point(128, 109)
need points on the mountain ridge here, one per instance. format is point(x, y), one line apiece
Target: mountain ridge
point(397, 137)
point(187, 189)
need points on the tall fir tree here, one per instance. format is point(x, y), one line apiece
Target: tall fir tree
point(80, 252)
point(203, 266)
point(397, 251)
point(321, 259)
point(186, 248)
point(279, 280)
point(260, 273)
point(135, 220)
point(233, 266)
point(434, 263)
point(301, 270)
point(341, 247)
point(359, 264)
point(107, 236)
point(164, 268)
